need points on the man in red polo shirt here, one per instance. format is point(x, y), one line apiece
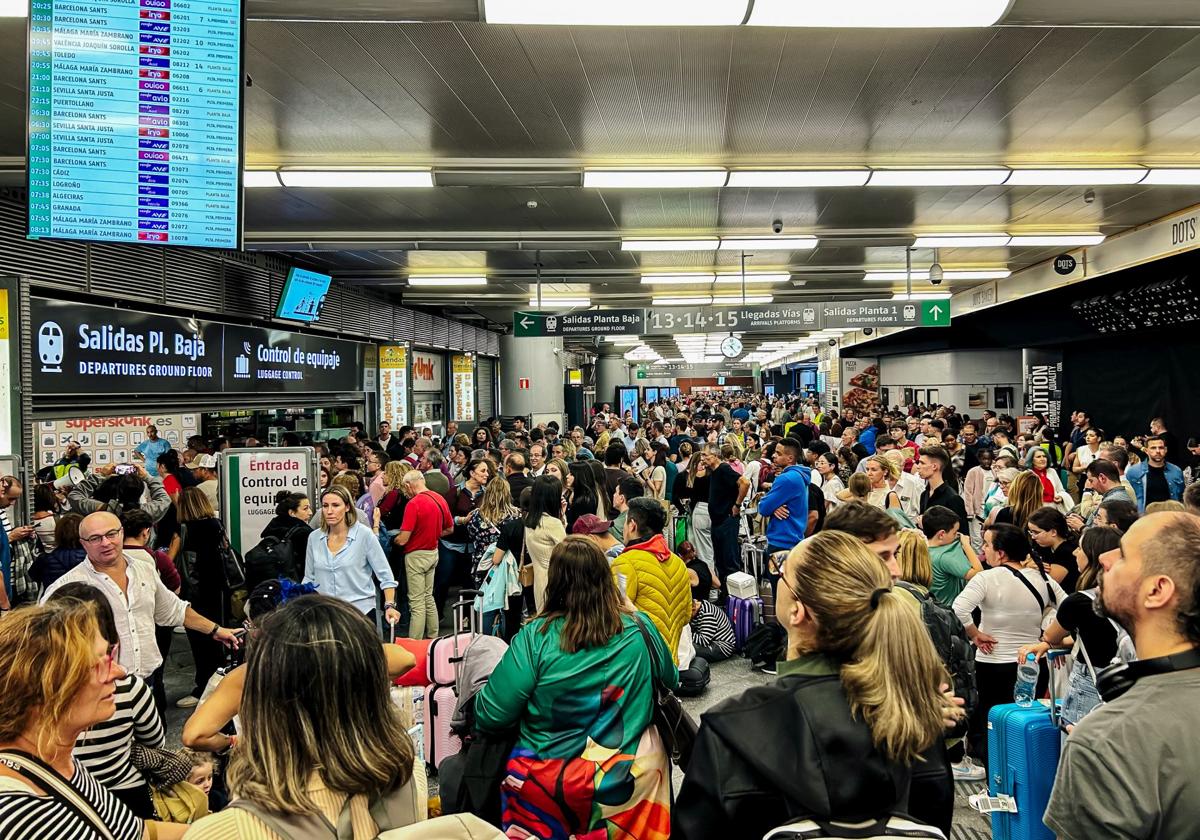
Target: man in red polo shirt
point(426, 519)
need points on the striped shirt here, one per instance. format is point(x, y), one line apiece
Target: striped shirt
point(104, 749)
point(26, 816)
point(711, 629)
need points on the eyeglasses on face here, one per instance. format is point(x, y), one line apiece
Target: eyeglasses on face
point(111, 655)
point(96, 539)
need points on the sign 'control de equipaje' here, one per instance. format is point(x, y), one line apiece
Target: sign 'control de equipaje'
point(135, 121)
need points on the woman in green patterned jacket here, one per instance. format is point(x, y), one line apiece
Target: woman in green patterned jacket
point(578, 680)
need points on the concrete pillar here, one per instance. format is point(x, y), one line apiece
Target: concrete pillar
point(540, 361)
point(611, 370)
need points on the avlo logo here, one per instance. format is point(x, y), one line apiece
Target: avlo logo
point(50, 347)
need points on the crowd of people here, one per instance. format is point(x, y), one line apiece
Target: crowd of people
point(914, 558)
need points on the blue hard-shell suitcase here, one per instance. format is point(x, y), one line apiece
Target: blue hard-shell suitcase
point(1023, 748)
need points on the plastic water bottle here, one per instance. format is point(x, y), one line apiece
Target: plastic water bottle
point(1027, 677)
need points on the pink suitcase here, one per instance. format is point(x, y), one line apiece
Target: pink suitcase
point(445, 654)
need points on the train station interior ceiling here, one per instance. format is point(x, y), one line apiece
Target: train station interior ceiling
point(864, 144)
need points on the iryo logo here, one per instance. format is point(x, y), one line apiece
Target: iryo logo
point(423, 369)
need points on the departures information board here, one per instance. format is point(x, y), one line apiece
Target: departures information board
point(135, 121)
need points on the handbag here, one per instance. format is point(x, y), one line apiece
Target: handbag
point(233, 570)
point(524, 570)
point(36, 771)
point(185, 562)
point(675, 726)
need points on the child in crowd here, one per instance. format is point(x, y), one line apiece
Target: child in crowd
point(953, 560)
point(201, 775)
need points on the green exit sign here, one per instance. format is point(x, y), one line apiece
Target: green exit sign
point(641, 374)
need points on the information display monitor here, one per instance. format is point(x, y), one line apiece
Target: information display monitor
point(135, 121)
point(303, 293)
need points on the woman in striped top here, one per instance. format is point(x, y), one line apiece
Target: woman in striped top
point(45, 793)
point(104, 749)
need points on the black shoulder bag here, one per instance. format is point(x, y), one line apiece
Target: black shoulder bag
point(675, 726)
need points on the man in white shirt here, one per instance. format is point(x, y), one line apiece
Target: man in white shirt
point(140, 601)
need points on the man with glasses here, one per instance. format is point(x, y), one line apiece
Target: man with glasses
point(139, 599)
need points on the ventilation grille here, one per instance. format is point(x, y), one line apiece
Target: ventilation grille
point(422, 328)
point(212, 283)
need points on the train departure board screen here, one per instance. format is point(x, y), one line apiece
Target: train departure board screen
point(135, 121)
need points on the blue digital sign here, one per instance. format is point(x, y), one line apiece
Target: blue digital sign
point(303, 293)
point(135, 121)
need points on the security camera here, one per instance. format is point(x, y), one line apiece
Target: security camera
point(868, 330)
point(936, 274)
point(833, 342)
point(1089, 195)
point(777, 226)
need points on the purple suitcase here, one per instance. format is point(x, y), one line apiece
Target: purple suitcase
point(445, 654)
point(744, 614)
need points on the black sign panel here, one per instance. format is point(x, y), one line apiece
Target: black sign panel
point(81, 349)
point(277, 360)
point(93, 349)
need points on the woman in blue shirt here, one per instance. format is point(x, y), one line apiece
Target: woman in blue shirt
point(343, 555)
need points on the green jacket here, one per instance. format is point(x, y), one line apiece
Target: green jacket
point(564, 700)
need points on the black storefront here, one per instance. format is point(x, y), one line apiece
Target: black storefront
point(85, 360)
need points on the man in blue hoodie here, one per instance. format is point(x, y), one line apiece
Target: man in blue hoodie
point(786, 504)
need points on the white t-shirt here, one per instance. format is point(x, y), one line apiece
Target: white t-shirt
point(1011, 614)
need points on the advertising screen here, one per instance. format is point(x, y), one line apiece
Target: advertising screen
point(303, 293)
point(135, 121)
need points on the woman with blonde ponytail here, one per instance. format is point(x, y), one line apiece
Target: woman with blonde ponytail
point(856, 703)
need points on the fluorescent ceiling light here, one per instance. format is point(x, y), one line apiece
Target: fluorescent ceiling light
point(736, 279)
point(938, 177)
point(730, 300)
point(675, 279)
point(923, 296)
point(786, 178)
point(623, 339)
point(1173, 176)
point(649, 179)
point(782, 243)
point(445, 280)
point(1074, 177)
point(616, 12)
point(560, 301)
point(963, 240)
point(681, 301)
point(356, 178)
point(707, 244)
point(252, 178)
point(923, 274)
point(889, 14)
point(1070, 239)
point(18, 8)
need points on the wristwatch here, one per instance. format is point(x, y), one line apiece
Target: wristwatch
point(212, 634)
point(389, 605)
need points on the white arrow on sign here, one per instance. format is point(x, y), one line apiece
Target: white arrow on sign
point(525, 322)
point(935, 311)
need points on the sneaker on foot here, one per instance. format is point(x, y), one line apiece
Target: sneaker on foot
point(187, 701)
point(968, 771)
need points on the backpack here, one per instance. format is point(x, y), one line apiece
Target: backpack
point(272, 558)
point(891, 826)
point(956, 651)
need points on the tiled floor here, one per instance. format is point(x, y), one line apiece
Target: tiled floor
point(729, 679)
